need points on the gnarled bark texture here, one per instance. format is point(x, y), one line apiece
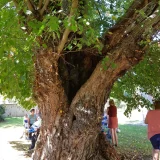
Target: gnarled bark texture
point(71, 90)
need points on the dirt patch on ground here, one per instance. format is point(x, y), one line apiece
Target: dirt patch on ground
point(12, 147)
point(22, 146)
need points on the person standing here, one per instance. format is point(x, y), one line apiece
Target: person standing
point(153, 121)
point(32, 117)
point(35, 130)
point(113, 121)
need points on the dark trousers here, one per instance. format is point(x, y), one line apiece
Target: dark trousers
point(30, 134)
point(34, 137)
point(33, 141)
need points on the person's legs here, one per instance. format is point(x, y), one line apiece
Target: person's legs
point(33, 141)
point(155, 141)
point(155, 154)
point(30, 134)
point(116, 137)
point(22, 135)
point(26, 134)
point(109, 134)
point(112, 135)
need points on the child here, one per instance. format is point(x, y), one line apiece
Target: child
point(26, 126)
point(25, 122)
point(104, 126)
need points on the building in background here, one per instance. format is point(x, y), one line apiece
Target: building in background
point(12, 109)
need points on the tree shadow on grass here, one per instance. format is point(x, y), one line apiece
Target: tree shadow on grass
point(21, 146)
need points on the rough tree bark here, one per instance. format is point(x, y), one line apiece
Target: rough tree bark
point(71, 107)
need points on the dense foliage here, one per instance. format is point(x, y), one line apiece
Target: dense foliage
point(141, 85)
point(21, 34)
point(16, 47)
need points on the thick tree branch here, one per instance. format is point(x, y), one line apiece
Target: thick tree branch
point(30, 6)
point(131, 13)
point(127, 16)
point(146, 2)
point(15, 3)
point(125, 53)
point(67, 30)
point(40, 4)
point(130, 21)
point(44, 7)
point(156, 26)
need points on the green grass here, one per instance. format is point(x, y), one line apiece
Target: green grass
point(12, 122)
point(133, 142)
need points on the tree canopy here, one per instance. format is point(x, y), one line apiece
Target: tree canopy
point(31, 24)
point(140, 82)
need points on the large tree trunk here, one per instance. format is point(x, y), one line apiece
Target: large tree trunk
point(71, 131)
point(71, 115)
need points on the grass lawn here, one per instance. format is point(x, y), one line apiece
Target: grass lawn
point(133, 142)
point(12, 122)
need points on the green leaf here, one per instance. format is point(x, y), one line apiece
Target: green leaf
point(53, 23)
point(44, 45)
point(113, 65)
point(79, 46)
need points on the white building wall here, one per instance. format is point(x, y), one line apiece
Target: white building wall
point(13, 110)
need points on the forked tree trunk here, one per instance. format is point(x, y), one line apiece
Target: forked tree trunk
point(72, 131)
point(71, 126)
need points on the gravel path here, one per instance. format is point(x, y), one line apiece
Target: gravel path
point(11, 146)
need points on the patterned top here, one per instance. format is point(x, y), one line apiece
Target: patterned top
point(104, 123)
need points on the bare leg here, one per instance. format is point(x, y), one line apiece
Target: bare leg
point(155, 154)
point(26, 134)
point(22, 135)
point(116, 137)
point(112, 135)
